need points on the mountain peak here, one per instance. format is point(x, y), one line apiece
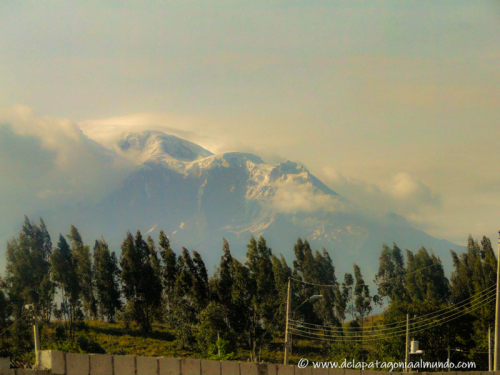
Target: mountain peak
point(289, 169)
point(156, 145)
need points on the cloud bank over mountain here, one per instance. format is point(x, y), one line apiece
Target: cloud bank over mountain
point(401, 194)
point(55, 158)
point(136, 176)
point(48, 162)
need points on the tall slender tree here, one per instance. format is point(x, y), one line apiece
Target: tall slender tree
point(28, 270)
point(183, 317)
point(362, 298)
point(325, 308)
point(170, 271)
point(64, 264)
point(281, 273)
point(425, 279)
point(200, 291)
point(304, 269)
point(391, 274)
point(107, 280)
point(262, 290)
point(83, 258)
point(141, 285)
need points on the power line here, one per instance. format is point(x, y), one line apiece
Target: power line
point(13, 324)
point(416, 328)
point(363, 283)
point(417, 320)
point(298, 331)
point(338, 338)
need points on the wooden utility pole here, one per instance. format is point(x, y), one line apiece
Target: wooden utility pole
point(489, 348)
point(497, 311)
point(288, 308)
point(36, 333)
point(407, 341)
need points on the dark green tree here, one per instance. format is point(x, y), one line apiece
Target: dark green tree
point(305, 270)
point(213, 331)
point(28, 270)
point(242, 297)
point(425, 279)
point(325, 275)
point(262, 290)
point(390, 278)
point(200, 292)
point(170, 271)
point(224, 282)
point(426, 292)
point(362, 298)
point(281, 273)
point(5, 312)
point(344, 302)
point(156, 278)
point(83, 259)
point(183, 317)
point(141, 285)
point(473, 276)
point(64, 264)
point(106, 280)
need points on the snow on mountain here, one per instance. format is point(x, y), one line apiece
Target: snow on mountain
point(159, 146)
point(198, 198)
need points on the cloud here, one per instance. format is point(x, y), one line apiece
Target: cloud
point(407, 190)
point(48, 162)
point(402, 194)
point(291, 196)
point(107, 131)
point(197, 129)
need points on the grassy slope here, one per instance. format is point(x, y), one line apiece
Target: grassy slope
point(115, 338)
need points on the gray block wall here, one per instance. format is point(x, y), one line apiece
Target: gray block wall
point(59, 363)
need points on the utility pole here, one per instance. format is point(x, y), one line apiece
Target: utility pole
point(489, 348)
point(497, 311)
point(288, 308)
point(36, 333)
point(407, 341)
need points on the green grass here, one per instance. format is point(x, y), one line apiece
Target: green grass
point(117, 339)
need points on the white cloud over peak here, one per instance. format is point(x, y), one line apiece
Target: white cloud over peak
point(48, 162)
point(213, 135)
point(402, 194)
point(406, 188)
point(107, 131)
point(292, 197)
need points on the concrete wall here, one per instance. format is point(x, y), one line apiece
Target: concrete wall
point(60, 363)
point(4, 363)
point(24, 372)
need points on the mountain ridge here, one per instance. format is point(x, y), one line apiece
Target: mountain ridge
point(199, 197)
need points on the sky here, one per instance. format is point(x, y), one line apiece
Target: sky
point(392, 104)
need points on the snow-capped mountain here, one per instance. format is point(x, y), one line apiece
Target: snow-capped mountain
point(156, 146)
point(198, 198)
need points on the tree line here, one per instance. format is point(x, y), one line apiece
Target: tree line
point(243, 305)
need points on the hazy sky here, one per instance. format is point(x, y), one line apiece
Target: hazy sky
point(394, 104)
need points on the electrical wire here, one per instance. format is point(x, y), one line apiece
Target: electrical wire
point(430, 316)
point(363, 283)
point(414, 328)
point(299, 332)
point(13, 324)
